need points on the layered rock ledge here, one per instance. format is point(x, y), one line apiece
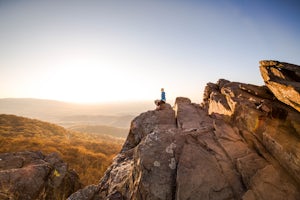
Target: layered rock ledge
point(242, 142)
point(283, 79)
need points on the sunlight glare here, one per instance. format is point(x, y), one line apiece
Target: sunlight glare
point(80, 84)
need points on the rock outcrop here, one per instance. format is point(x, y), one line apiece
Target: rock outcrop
point(31, 175)
point(242, 142)
point(283, 79)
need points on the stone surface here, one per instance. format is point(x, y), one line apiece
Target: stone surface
point(283, 79)
point(240, 143)
point(31, 175)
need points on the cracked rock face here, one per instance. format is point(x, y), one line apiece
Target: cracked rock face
point(242, 143)
point(31, 175)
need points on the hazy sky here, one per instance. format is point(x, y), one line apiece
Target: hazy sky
point(95, 51)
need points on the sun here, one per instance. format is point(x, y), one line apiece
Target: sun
point(81, 84)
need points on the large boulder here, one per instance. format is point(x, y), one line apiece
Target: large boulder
point(32, 175)
point(145, 168)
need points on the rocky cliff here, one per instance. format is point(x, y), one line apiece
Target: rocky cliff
point(243, 142)
point(32, 175)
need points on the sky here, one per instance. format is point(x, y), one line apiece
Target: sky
point(101, 51)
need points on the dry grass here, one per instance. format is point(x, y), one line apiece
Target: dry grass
point(88, 154)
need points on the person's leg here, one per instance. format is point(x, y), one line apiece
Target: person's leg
point(157, 103)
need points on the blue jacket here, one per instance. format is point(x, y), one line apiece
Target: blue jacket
point(163, 96)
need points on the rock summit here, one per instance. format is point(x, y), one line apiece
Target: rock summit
point(242, 142)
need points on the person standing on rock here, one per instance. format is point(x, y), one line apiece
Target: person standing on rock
point(162, 100)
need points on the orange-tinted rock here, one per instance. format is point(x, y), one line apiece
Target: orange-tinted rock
point(283, 79)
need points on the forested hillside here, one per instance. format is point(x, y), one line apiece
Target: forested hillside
point(89, 154)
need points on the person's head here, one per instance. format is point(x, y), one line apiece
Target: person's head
point(162, 89)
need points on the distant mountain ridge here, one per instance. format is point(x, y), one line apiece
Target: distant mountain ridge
point(54, 107)
point(34, 108)
point(70, 114)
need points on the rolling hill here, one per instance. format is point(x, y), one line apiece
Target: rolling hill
point(89, 154)
point(55, 111)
